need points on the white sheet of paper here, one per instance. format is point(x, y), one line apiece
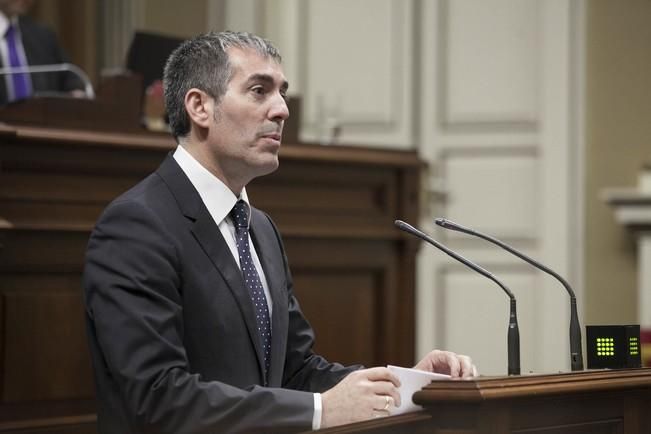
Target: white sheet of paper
point(412, 380)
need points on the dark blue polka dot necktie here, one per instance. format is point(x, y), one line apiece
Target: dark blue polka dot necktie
point(240, 216)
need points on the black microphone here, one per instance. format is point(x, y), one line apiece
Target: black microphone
point(513, 335)
point(53, 67)
point(576, 355)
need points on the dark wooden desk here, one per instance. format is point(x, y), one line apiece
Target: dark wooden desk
point(598, 402)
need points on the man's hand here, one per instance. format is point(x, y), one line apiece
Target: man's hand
point(361, 395)
point(446, 362)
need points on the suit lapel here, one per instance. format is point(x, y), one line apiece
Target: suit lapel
point(264, 240)
point(208, 235)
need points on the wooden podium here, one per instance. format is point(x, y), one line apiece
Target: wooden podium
point(589, 402)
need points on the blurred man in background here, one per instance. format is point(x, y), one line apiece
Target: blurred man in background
point(26, 43)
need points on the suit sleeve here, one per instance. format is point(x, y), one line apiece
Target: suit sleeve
point(135, 312)
point(305, 370)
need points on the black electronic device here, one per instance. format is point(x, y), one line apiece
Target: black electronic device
point(613, 346)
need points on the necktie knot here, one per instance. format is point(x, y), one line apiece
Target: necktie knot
point(240, 214)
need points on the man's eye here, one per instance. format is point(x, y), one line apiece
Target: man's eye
point(258, 90)
point(284, 95)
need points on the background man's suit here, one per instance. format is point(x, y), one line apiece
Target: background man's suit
point(187, 358)
point(42, 48)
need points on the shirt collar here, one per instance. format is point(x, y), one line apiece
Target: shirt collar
point(217, 197)
point(4, 23)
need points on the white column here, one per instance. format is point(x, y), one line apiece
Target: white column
point(632, 207)
point(120, 18)
point(644, 275)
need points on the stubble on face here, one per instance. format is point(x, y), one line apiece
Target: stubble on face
point(249, 118)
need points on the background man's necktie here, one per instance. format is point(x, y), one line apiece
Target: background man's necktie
point(20, 81)
point(240, 216)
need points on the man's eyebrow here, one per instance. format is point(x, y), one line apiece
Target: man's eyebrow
point(268, 79)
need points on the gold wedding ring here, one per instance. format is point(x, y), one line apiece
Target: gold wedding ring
point(387, 403)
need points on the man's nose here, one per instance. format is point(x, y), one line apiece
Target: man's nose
point(279, 110)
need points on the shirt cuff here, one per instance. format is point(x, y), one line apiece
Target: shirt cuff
point(318, 410)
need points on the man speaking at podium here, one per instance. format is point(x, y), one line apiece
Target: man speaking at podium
point(192, 320)
point(26, 43)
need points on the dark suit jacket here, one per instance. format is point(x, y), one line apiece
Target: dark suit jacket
point(172, 328)
point(42, 48)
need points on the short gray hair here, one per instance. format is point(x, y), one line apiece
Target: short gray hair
point(202, 62)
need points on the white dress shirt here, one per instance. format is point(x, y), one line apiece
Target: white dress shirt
point(219, 200)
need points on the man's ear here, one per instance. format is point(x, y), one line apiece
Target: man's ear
point(199, 106)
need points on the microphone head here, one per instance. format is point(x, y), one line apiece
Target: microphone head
point(449, 224)
point(441, 222)
point(406, 227)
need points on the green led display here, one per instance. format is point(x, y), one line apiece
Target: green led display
point(633, 346)
point(614, 346)
point(605, 347)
